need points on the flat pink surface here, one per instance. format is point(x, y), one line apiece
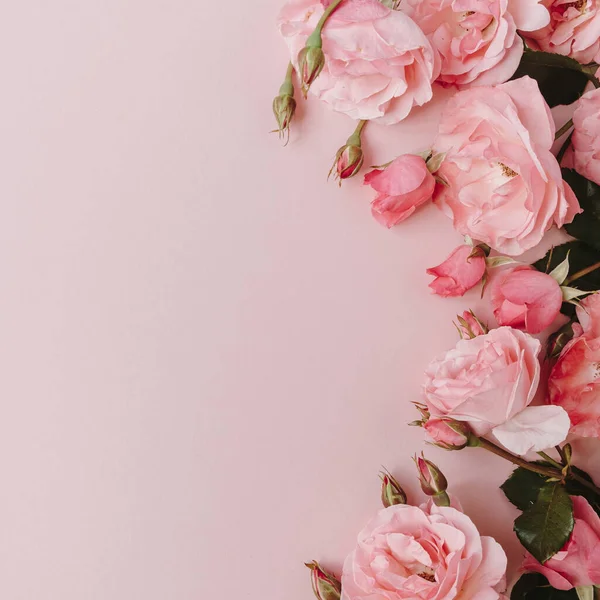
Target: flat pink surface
point(207, 351)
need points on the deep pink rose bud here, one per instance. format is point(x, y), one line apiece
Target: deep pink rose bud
point(432, 480)
point(325, 585)
point(311, 61)
point(391, 491)
point(349, 158)
point(448, 434)
point(526, 299)
point(402, 186)
point(461, 271)
point(349, 162)
point(469, 326)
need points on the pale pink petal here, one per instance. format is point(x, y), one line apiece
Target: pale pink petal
point(534, 429)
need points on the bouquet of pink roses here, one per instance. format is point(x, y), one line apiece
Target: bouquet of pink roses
point(492, 171)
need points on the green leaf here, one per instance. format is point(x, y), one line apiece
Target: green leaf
point(585, 226)
point(522, 488)
point(577, 489)
point(545, 527)
point(534, 586)
point(561, 79)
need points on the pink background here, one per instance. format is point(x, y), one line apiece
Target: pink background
point(207, 351)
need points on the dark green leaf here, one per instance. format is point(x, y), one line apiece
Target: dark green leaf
point(534, 586)
point(523, 487)
point(577, 489)
point(545, 527)
point(561, 79)
point(585, 226)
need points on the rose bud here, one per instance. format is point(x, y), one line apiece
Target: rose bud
point(432, 480)
point(469, 326)
point(461, 271)
point(448, 434)
point(402, 186)
point(526, 299)
point(284, 105)
point(325, 585)
point(311, 61)
point(391, 491)
point(349, 158)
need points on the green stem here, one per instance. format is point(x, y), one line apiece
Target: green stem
point(355, 138)
point(287, 87)
point(549, 459)
point(563, 148)
point(541, 469)
point(314, 39)
point(328, 12)
point(517, 460)
point(581, 273)
point(563, 129)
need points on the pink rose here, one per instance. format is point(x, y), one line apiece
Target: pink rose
point(505, 186)
point(574, 381)
point(578, 563)
point(423, 554)
point(586, 135)
point(458, 273)
point(489, 382)
point(477, 41)
point(525, 298)
point(378, 63)
point(574, 30)
point(401, 188)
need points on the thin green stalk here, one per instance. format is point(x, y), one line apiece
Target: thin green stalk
point(582, 273)
point(563, 129)
point(549, 459)
point(563, 148)
point(540, 469)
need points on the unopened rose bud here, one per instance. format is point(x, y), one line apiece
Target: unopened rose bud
point(432, 480)
point(448, 434)
point(349, 158)
point(284, 105)
point(311, 61)
point(391, 491)
point(325, 585)
point(348, 162)
point(469, 326)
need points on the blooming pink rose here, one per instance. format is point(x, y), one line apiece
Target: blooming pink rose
point(505, 186)
point(401, 187)
point(489, 382)
point(477, 41)
point(458, 273)
point(574, 30)
point(525, 298)
point(427, 553)
point(578, 563)
point(586, 135)
point(574, 381)
point(378, 65)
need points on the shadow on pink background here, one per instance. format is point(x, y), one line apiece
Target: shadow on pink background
point(208, 352)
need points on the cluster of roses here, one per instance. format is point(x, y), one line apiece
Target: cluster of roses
point(490, 169)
